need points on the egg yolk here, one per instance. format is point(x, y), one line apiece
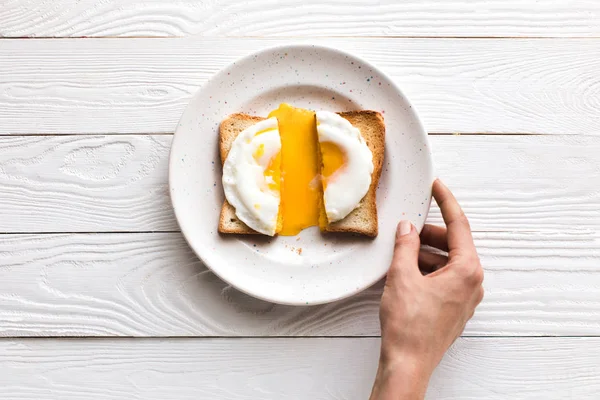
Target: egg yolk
point(264, 131)
point(301, 191)
point(332, 159)
point(259, 152)
point(273, 173)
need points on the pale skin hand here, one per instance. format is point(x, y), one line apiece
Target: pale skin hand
point(427, 300)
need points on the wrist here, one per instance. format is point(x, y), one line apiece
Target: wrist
point(400, 376)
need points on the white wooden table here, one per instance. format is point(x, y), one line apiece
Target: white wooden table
point(100, 297)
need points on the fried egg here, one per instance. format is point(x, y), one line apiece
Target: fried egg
point(251, 176)
point(347, 165)
point(295, 170)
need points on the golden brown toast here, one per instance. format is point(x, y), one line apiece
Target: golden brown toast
point(228, 130)
point(363, 220)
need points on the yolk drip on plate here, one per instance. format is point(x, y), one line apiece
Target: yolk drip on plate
point(332, 159)
point(301, 190)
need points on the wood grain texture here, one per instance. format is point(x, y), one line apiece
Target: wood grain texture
point(142, 85)
point(286, 18)
point(84, 183)
point(120, 183)
point(474, 368)
point(521, 183)
point(151, 284)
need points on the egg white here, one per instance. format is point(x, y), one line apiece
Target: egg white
point(244, 182)
point(350, 183)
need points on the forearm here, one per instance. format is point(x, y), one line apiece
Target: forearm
point(400, 378)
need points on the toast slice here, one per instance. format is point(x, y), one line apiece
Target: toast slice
point(363, 220)
point(228, 131)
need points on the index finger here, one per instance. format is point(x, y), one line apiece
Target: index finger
point(459, 230)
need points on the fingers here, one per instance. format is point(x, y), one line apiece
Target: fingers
point(434, 236)
point(458, 229)
point(406, 250)
point(430, 262)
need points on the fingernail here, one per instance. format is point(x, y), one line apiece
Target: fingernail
point(404, 228)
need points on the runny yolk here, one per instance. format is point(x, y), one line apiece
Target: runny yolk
point(272, 176)
point(301, 194)
point(273, 173)
point(264, 131)
point(332, 159)
point(259, 152)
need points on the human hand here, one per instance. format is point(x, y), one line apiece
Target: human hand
point(422, 315)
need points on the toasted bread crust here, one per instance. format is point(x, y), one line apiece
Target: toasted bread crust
point(363, 220)
point(229, 129)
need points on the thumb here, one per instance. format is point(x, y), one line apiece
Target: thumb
point(406, 249)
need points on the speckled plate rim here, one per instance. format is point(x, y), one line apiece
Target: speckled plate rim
point(204, 255)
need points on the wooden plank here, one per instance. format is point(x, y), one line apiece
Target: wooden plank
point(142, 85)
point(119, 182)
point(85, 184)
point(286, 18)
point(474, 368)
point(146, 284)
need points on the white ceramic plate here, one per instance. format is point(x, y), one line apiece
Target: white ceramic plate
point(310, 268)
